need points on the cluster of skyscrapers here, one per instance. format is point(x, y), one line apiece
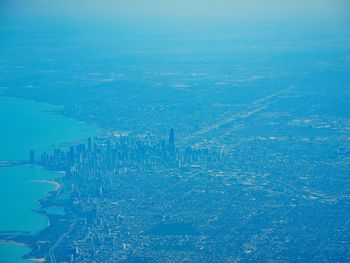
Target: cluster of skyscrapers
point(108, 171)
point(116, 153)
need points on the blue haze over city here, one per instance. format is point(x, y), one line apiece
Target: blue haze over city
point(174, 131)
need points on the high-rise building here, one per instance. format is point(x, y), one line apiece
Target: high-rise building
point(31, 156)
point(71, 154)
point(171, 138)
point(89, 144)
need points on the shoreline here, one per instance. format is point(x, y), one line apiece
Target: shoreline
point(15, 243)
point(19, 244)
point(57, 187)
point(37, 259)
point(79, 132)
point(56, 184)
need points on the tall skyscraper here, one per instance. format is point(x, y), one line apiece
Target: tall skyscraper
point(71, 154)
point(89, 144)
point(31, 156)
point(171, 138)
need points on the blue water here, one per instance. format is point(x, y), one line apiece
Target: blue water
point(25, 126)
point(11, 253)
point(28, 125)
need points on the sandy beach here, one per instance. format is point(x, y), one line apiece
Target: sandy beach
point(55, 183)
point(38, 259)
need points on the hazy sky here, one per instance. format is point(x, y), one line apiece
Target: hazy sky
point(179, 9)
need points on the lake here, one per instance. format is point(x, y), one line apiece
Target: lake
point(29, 125)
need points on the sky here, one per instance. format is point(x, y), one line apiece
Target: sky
point(179, 9)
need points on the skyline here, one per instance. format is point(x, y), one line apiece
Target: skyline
point(174, 131)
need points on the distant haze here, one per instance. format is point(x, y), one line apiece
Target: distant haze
point(179, 9)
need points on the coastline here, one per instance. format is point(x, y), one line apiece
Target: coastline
point(72, 130)
point(57, 187)
point(56, 184)
point(19, 244)
point(37, 259)
point(12, 242)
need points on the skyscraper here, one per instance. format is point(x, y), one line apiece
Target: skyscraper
point(31, 156)
point(171, 139)
point(89, 144)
